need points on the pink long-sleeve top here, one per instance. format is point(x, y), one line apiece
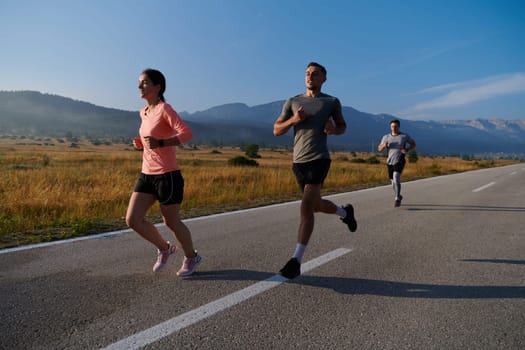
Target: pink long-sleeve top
point(162, 123)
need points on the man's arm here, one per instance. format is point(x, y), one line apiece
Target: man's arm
point(383, 144)
point(339, 120)
point(340, 125)
point(282, 125)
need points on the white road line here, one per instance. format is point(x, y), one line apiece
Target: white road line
point(513, 173)
point(189, 318)
point(69, 240)
point(484, 187)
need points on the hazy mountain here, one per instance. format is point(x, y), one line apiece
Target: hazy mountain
point(365, 130)
point(33, 113)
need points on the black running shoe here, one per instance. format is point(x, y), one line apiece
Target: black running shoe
point(292, 269)
point(397, 202)
point(350, 218)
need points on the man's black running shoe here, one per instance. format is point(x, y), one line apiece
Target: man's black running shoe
point(350, 218)
point(397, 203)
point(292, 269)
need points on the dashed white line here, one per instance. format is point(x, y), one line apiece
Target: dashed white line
point(189, 318)
point(484, 187)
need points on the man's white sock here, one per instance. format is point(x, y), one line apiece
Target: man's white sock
point(299, 251)
point(341, 212)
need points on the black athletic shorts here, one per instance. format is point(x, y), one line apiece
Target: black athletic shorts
point(168, 188)
point(313, 172)
point(398, 167)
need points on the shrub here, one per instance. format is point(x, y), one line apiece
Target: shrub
point(252, 151)
point(373, 160)
point(242, 161)
point(412, 157)
point(370, 160)
point(435, 169)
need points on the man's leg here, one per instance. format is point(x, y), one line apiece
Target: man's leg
point(310, 203)
point(346, 213)
point(397, 184)
point(390, 169)
point(328, 207)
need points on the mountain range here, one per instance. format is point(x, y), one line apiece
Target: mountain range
point(31, 113)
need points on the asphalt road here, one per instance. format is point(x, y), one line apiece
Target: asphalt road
point(446, 270)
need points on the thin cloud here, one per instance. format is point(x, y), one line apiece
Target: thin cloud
point(465, 93)
point(388, 66)
point(410, 59)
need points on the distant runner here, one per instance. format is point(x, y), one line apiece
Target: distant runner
point(396, 142)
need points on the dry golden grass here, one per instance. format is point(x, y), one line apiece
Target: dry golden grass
point(52, 191)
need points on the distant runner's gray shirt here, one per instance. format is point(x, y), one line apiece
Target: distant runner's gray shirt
point(310, 140)
point(395, 145)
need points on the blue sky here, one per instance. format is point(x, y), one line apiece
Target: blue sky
point(425, 60)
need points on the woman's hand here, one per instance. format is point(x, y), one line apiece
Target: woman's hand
point(151, 142)
point(137, 143)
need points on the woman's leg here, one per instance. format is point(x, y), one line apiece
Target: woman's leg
point(170, 214)
point(139, 204)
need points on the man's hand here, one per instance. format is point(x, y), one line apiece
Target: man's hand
point(281, 126)
point(298, 116)
point(382, 146)
point(329, 127)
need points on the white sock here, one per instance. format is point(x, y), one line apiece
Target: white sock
point(341, 212)
point(299, 251)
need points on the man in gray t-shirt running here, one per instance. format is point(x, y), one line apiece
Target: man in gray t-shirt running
point(396, 142)
point(313, 116)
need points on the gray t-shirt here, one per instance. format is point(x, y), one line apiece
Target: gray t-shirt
point(395, 145)
point(310, 140)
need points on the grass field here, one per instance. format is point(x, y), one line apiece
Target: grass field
point(54, 189)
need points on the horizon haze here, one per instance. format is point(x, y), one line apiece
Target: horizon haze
point(31, 113)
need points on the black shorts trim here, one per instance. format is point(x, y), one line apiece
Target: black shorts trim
point(313, 172)
point(168, 188)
